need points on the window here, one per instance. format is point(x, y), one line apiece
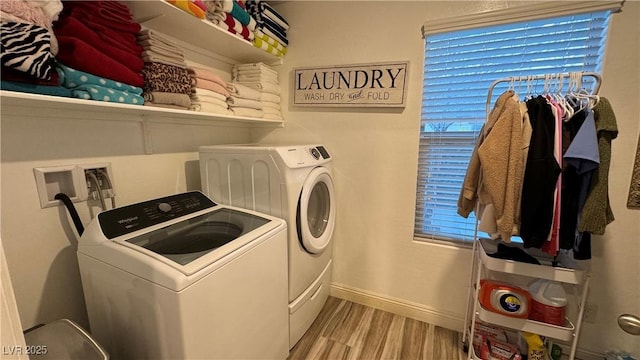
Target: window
point(459, 67)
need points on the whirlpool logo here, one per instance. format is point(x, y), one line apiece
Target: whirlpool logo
point(128, 220)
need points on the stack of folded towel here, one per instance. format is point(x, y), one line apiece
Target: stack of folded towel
point(244, 101)
point(271, 32)
point(209, 92)
point(193, 7)
point(166, 80)
point(91, 87)
point(263, 79)
point(231, 16)
point(28, 43)
point(99, 37)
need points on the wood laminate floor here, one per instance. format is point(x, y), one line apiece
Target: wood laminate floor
point(346, 330)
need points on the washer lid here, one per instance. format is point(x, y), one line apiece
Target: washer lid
point(186, 241)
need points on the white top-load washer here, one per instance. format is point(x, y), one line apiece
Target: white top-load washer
point(291, 182)
point(182, 277)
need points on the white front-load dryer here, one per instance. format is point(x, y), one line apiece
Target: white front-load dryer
point(294, 183)
point(182, 277)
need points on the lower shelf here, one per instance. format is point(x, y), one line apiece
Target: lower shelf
point(32, 103)
point(553, 331)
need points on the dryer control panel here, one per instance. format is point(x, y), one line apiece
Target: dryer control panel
point(127, 219)
point(304, 156)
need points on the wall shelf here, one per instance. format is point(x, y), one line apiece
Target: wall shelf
point(25, 103)
point(185, 28)
point(168, 19)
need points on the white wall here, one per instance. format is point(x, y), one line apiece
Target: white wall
point(40, 244)
point(375, 156)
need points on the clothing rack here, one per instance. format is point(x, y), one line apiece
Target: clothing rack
point(557, 79)
point(482, 264)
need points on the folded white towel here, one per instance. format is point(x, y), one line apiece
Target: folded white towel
point(264, 96)
point(272, 111)
point(255, 71)
point(243, 91)
point(211, 108)
point(240, 111)
point(235, 101)
point(197, 92)
point(262, 86)
point(269, 104)
point(256, 78)
point(210, 100)
point(256, 66)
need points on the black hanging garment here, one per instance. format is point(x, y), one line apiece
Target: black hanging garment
point(540, 177)
point(572, 184)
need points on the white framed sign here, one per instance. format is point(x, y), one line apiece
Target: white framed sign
point(358, 85)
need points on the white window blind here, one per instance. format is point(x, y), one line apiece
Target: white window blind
point(459, 67)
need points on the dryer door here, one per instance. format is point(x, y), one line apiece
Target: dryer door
point(316, 211)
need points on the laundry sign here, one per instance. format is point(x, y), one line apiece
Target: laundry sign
point(359, 85)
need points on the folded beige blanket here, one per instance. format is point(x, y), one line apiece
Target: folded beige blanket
point(148, 34)
point(166, 98)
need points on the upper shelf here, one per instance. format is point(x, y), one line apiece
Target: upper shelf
point(166, 18)
point(565, 275)
point(32, 103)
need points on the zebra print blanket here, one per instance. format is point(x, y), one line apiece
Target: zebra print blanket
point(26, 47)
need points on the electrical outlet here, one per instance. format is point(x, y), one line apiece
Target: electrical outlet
point(590, 312)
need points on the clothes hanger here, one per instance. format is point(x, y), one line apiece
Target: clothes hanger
point(568, 110)
point(583, 96)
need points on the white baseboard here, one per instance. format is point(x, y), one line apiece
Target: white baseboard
point(423, 313)
point(398, 306)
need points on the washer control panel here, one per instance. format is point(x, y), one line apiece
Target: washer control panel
point(127, 219)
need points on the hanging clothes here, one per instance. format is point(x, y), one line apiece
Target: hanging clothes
point(594, 217)
point(596, 213)
point(540, 177)
point(552, 245)
point(494, 175)
point(552, 194)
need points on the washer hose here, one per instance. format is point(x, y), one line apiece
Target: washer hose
point(72, 211)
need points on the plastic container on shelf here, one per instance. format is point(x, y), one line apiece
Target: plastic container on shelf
point(505, 299)
point(548, 302)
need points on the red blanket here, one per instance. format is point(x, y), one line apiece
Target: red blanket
point(84, 57)
point(72, 27)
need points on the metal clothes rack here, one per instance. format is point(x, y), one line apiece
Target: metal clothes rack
point(482, 263)
point(557, 78)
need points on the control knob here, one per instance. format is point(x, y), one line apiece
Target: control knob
point(164, 207)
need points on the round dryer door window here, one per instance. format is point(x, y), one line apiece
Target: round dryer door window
point(316, 211)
